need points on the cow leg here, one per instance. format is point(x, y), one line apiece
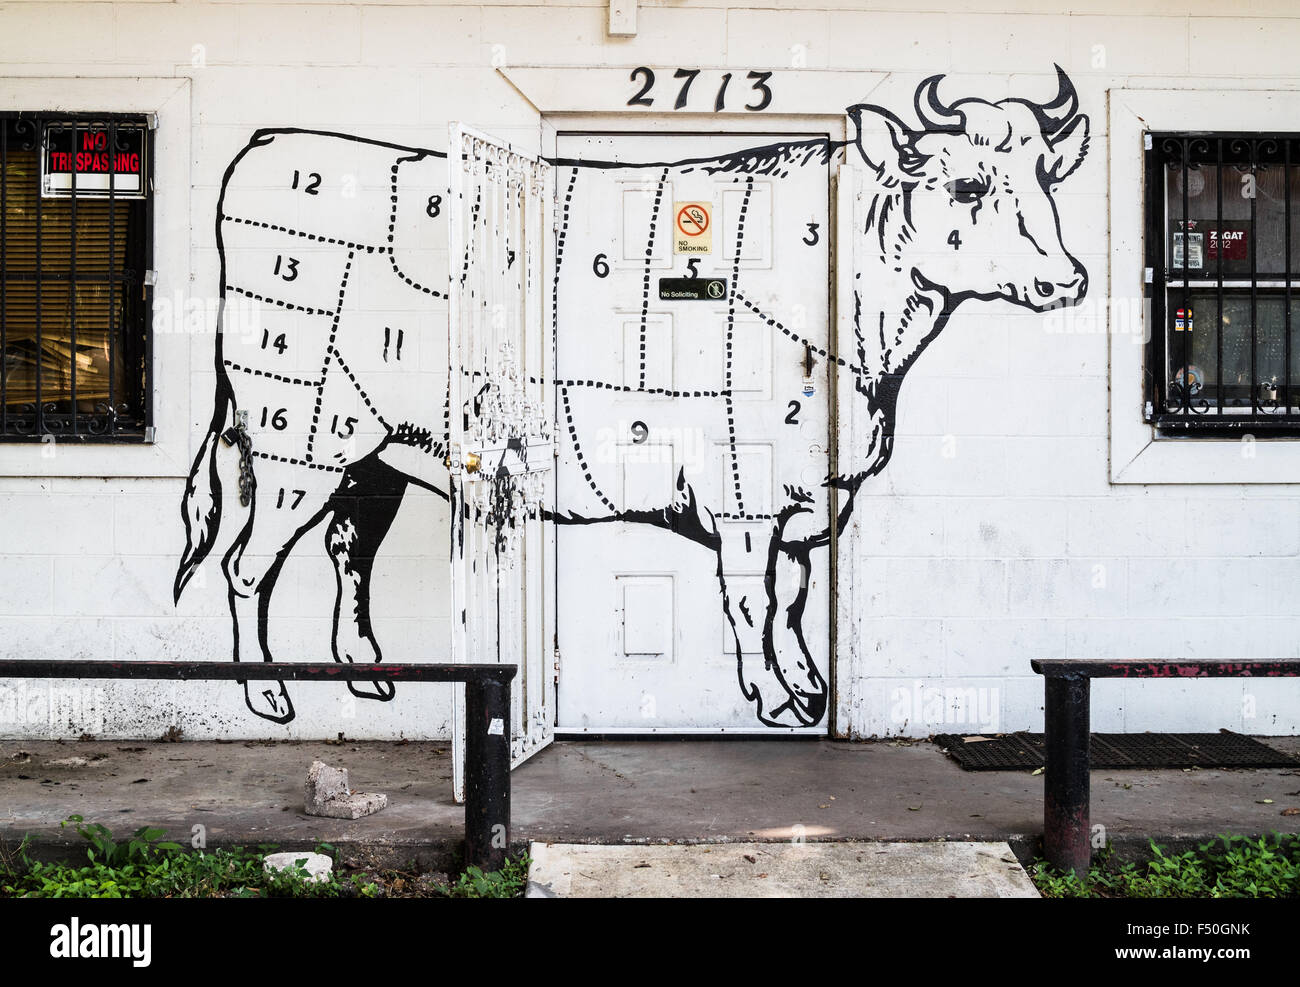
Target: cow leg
point(364, 508)
point(775, 667)
point(287, 500)
point(786, 650)
point(743, 613)
point(779, 671)
point(799, 536)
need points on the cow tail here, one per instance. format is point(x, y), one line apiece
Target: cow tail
point(201, 505)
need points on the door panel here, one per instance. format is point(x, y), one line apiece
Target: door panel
point(684, 425)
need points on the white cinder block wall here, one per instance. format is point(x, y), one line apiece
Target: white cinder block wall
point(995, 535)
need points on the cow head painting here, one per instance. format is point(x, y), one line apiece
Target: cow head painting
point(959, 208)
point(977, 186)
point(982, 175)
point(963, 210)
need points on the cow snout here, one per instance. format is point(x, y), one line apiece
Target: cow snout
point(1065, 292)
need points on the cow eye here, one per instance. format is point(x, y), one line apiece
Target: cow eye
point(967, 189)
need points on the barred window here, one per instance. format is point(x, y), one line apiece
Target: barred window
point(76, 203)
point(1223, 247)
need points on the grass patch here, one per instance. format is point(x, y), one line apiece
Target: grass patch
point(508, 882)
point(1227, 867)
point(146, 866)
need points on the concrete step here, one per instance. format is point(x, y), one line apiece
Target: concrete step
point(778, 870)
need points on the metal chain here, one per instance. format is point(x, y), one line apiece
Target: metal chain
point(245, 467)
point(237, 434)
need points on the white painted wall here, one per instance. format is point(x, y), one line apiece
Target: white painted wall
point(962, 566)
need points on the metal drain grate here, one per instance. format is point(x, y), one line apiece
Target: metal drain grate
point(1020, 751)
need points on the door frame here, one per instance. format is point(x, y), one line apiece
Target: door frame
point(671, 124)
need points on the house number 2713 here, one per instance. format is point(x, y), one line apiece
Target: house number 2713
point(753, 89)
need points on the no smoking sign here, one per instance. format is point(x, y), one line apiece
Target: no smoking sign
point(692, 227)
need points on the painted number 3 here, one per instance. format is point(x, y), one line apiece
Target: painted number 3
point(759, 101)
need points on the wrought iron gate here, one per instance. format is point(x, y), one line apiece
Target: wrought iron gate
point(500, 429)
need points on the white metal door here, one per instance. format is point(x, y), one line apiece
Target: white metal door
point(500, 427)
point(688, 421)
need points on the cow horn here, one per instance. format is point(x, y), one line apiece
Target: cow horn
point(1061, 110)
point(932, 112)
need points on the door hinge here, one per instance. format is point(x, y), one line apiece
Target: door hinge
point(556, 665)
point(1146, 142)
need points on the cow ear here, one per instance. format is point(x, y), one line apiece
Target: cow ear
point(1069, 148)
point(886, 144)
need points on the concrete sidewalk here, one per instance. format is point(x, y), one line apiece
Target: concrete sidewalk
point(680, 791)
point(778, 870)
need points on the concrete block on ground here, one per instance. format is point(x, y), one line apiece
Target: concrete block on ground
point(317, 865)
point(327, 794)
point(324, 783)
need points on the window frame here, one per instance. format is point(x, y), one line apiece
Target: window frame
point(81, 425)
point(1138, 453)
point(1257, 286)
point(182, 362)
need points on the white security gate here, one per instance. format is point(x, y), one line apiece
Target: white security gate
point(500, 429)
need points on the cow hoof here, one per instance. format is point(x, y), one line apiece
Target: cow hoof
point(791, 713)
point(776, 703)
point(814, 707)
point(379, 689)
point(269, 700)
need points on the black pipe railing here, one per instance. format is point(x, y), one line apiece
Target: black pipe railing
point(487, 715)
point(1067, 684)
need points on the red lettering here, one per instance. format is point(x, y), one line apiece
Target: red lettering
point(91, 155)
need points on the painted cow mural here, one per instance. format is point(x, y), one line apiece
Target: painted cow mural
point(960, 209)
